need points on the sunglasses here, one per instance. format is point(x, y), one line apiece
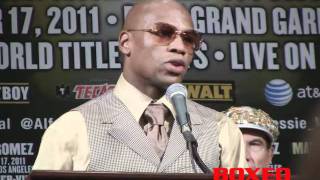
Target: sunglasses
point(167, 33)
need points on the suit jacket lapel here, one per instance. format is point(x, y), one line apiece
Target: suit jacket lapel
point(124, 128)
point(177, 144)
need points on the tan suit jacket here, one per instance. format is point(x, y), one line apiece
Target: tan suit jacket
point(118, 143)
point(103, 134)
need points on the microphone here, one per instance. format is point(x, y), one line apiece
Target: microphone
point(177, 94)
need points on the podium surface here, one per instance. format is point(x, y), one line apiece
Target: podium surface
point(84, 175)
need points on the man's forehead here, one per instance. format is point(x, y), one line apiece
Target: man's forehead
point(150, 13)
point(253, 135)
point(173, 18)
point(252, 138)
point(156, 3)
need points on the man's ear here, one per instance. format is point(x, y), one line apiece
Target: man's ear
point(124, 43)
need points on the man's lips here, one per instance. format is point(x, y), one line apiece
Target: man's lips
point(176, 66)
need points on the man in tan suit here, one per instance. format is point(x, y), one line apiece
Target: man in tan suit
point(107, 134)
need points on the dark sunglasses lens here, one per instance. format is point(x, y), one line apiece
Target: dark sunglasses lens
point(192, 38)
point(165, 31)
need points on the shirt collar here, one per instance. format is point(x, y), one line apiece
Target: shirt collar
point(135, 100)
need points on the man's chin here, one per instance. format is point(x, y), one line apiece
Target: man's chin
point(174, 79)
point(166, 82)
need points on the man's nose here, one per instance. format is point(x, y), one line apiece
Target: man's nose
point(177, 45)
point(249, 157)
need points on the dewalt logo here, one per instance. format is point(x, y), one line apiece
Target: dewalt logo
point(219, 91)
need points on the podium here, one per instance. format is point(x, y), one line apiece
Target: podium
point(84, 175)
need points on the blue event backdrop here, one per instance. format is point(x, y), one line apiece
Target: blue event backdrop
point(57, 54)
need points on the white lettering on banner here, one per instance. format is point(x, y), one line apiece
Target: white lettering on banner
point(3, 170)
point(300, 56)
point(260, 55)
point(263, 55)
point(299, 148)
point(291, 124)
point(12, 177)
point(298, 21)
point(14, 92)
point(70, 20)
point(114, 55)
point(229, 20)
point(17, 55)
point(17, 161)
point(14, 165)
point(308, 92)
point(5, 124)
point(276, 148)
point(19, 169)
point(21, 18)
point(201, 60)
point(36, 123)
point(16, 149)
point(92, 58)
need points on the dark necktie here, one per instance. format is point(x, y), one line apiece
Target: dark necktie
point(155, 115)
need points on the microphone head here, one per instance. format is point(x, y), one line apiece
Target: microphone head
point(174, 89)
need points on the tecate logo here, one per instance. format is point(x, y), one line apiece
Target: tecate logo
point(278, 92)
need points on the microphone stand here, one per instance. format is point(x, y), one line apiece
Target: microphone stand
point(192, 146)
point(177, 93)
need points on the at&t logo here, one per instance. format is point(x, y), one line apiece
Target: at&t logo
point(278, 92)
